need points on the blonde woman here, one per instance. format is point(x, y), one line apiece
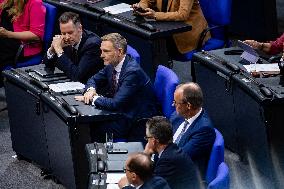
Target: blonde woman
point(20, 21)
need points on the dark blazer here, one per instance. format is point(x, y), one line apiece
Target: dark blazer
point(87, 62)
point(198, 139)
point(177, 168)
point(135, 95)
point(153, 183)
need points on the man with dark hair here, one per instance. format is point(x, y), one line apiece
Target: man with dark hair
point(121, 86)
point(193, 130)
point(170, 161)
point(76, 51)
point(139, 173)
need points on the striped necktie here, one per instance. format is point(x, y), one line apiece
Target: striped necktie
point(182, 132)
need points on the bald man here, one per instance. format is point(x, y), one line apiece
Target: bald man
point(193, 129)
point(139, 173)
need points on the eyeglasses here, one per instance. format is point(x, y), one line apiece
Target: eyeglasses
point(147, 137)
point(175, 103)
point(125, 169)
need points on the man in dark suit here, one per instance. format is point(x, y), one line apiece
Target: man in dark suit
point(193, 130)
point(121, 86)
point(170, 162)
point(76, 51)
point(139, 173)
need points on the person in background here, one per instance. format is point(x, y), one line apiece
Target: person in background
point(170, 162)
point(21, 21)
point(139, 174)
point(272, 47)
point(193, 129)
point(121, 86)
point(187, 11)
point(76, 51)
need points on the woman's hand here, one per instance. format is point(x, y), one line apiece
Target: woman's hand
point(4, 33)
point(149, 14)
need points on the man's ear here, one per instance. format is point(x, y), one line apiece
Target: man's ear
point(120, 50)
point(80, 28)
point(188, 105)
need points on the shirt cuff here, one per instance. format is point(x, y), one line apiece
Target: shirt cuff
point(49, 54)
point(94, 99)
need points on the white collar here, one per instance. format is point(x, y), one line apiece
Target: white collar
point(119, 65)
point(77, 45)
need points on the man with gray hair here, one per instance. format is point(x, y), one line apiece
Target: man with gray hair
point(193, 129)
point(76, 51)
point(122, 86)
point(170, 162)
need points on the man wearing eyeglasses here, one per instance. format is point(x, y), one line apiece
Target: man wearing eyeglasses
point(170, 162)
point(193, 130)
point(139, 174)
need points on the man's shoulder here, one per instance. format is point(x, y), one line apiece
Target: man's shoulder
point(91, 38)
point(203, 120)
point(156, 182)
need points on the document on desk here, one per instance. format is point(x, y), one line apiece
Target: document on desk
point(66, 86)
point(113, 178)
point(118, 8)
point(262, 67)
point(112, 186)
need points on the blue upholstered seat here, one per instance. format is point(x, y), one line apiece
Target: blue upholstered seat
point(216, 157)
point(165, 84)
point(133, 53)
point(222, 179)
point(218, 16)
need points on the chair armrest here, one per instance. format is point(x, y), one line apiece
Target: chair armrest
point(204, 33)
point(20, 49)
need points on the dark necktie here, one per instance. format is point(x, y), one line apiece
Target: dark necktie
point(164, 5)
point(74, 55)
point(113, 83)
point(182, 132)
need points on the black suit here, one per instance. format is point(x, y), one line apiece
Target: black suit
point(153, 183)
point(80, 65)
point(177, 168)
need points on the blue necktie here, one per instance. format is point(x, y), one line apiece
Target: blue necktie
point(182, 132)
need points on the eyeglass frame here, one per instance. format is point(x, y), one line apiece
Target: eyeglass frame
point(147, 137)
point(174, 103)
point(125, 169)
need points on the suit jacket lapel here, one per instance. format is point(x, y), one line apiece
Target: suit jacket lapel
point(190, 129)
point(169, 4)
point(121, 75)
point(82, 42)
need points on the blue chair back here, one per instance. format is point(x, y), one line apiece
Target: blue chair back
point(222, 179)
point(216, 157)
point(165, 84)
point(50, 19)
point(217, 13)
point(133, 53)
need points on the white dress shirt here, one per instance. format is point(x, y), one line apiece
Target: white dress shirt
point(190, 121)
point(117, 68)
